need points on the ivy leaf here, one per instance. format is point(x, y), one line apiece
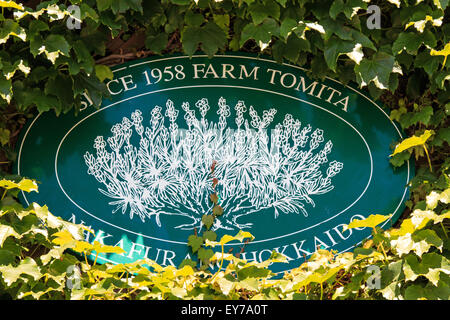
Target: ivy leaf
point(400, 158)
point(430, 267)
point(336, 47)
point(102, 5)
point(376, 70)
point(429, 236)
point(413, 142)
point(187, 262)
point(57, 43)
point(4, 136)
point(370, 222)
point(287, 27)
point(27, 266)
point(209, 235)
point(210, 36)
point(84, 57)
point(185, 271)
point(195, 242)
point(418, 292)
point(63, 238)
point(240, 236)
point(90, 83)
point(205, 254)
point(261, 33)
point(217, 210)
point(103, 72)
point(6, 257)
point(26, 185)
point(194, 19)
point(444, 52)
point(441, 4)
point(181, 2)
point(208, 221)
point(5, 88)
point(11, 4)
point(11, 28)
point(223, 21)
point(102, 248)
point(411, 42)
point(260, 11)
point(214, 198)
point(61, 87)
point(157, 43)
point(420, 25)
point(7, 231)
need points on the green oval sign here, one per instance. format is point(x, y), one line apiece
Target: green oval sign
point(295, 159)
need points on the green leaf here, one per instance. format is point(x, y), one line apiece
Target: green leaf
point(223, 21)
point(187, 262)
point(430, 267)
point(336, 47)
point(6, 257)
point(209, 235)
point(208, 221)
point(408, 41)
point(400, 158)
point(429, 292)
point(287, 27)
point(61, 87)
point(90, 83)
point(423, 116)
point(57, 43)
point(181, 2)
point(157, 43)
point(195, 242)
point(376, 70)
point(217, 210)
point(4, 136)
point(261, 33)
point(336, 7)
point(103, 72)
point(11, 28)
point(210, 37)
point(84, 57)
point(5, 88)
point(429, 236)
point(194, 19)
point(205, 254)
point(260, 11)
point(102, 5)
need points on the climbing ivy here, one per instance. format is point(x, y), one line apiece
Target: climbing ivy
point(52, 54)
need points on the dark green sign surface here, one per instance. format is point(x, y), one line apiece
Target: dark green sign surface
point(296, 159)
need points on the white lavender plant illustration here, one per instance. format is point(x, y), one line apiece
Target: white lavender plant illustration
point(165, 170)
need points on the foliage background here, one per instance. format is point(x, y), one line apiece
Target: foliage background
point(46, 67)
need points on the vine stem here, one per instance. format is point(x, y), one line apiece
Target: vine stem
point(428, 157)
point(321, 291)
point(443, 229)
point(382, 248)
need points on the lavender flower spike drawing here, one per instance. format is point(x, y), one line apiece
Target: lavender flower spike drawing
point(166, 170)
